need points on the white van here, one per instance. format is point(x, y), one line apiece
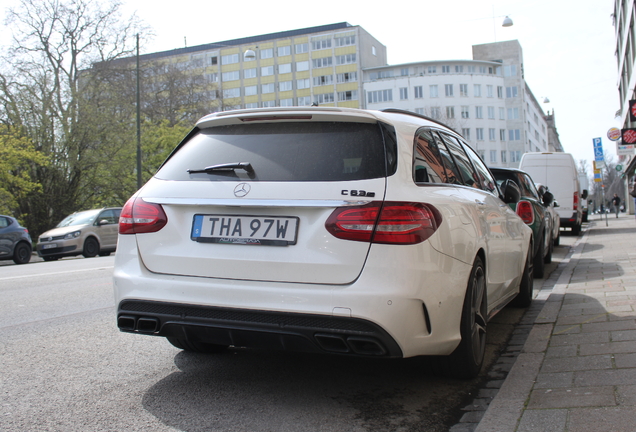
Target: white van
point(558, 172)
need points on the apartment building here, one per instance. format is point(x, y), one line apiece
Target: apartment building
point(485, 99)
point(291, 68)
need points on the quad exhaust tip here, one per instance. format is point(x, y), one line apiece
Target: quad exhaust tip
point(141, 325)
point(352, 344)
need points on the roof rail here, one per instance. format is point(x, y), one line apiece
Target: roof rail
point(400, 111)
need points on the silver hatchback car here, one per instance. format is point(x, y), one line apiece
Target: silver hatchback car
point(88, 233)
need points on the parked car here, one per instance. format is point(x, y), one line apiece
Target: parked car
point(327, 230)
point(15, 241)
point(533, 210)
point(88, 233)
point(554, 215)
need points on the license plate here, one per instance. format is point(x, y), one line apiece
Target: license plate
point(247, 230)
point(49, 246)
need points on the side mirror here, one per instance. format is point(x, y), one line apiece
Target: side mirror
point(547, 198)
point(511, 192)
point(584, 194)
point(103, 222)
point(556, 204)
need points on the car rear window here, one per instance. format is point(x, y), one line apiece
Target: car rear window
point(291, 151)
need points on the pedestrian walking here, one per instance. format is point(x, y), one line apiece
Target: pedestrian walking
point(616, 202)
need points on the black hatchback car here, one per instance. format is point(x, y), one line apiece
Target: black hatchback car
point(15, 241)
point(533, 209)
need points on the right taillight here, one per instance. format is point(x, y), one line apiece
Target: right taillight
point(575, 202)
point(388, 223)
point(525, 212)
point(138, 216)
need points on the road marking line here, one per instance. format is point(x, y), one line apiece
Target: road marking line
point(56, 273)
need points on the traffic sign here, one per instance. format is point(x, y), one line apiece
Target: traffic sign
point(598, 149)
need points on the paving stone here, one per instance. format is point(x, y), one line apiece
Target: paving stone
point(607, 348)
point(626, 394)
point(553, 420)
point(566, 364)
point(625, 360)
point(602, 377)
point(582, 338)
point(552, 380)
point(563, 351)
point(575, 397)
point(602, 419)
point(623, 335)
point(472, 417)
point(609, 326)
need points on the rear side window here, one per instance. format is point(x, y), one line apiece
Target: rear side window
point(428, 166)
point(302, 151)
point(469, 176)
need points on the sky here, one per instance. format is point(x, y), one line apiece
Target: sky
point(568, 45)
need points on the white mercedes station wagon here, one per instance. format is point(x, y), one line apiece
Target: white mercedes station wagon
point(323, 230)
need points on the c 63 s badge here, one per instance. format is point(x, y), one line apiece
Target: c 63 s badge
point(359, 193)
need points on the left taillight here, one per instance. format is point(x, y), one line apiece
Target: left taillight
point(387, 223)
point(138, 216)
point(525, 212)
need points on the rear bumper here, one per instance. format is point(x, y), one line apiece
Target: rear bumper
point(407, 302)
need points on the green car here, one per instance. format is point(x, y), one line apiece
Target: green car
point(532, 208)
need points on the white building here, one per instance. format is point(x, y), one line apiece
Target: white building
point(485, 99)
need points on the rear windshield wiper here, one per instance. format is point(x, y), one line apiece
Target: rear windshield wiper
point(225, 167)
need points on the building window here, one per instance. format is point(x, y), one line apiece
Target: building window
point(503, 156)
point(214, 60)
point(267, 53)
point(345, 59)
point(489, 91)
point(345, 40)
point(450, 112)
point(470, 69)
point(433, 90)
point(301, 48)
point(477, 90)
point(348, 95)
point(232, 93)
point(268, 88)
point(283, 51)
point(482, 154)
point(373, 50)
point(502, 113)
point(213, 77)
point(480, 134)
point(404, 93)
point(502, 135)
point(323, 80)
point(463, 89)
point(251, 90)
point(493, 156)
point(267, 70)
point(284, 68)
point(513, 113)
point(514, 135)
point(322, 62)
point(230, 76)
point(419, 93)
point(302, 66)
point(404, 72)
point(445, 69)
point(324, 98)
point(448, 89)
point(491, 113)
point(249, 73)
point(492, 134)
point(347, 77)
point(287, 102)
point(419, 111)
point(304, 101)
point(511, 92)
point(432, 69)
point(269, 104)
point(515, 156)
point(435, 112)
point(459, 68)
point(500, 92)
point(303, 84)
point(510, 70)
point(321, 44)
point(229, 59)
point(285, 86)
point(380, 96)
point(479, 112)
point(465, 113)
point(251, 105)
point(466, 133)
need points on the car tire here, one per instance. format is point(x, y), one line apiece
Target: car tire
point(467, 359)
point(548, 256)
point(50, 258)
point(91, 248)
point(198, 347)
point(22, 253)
point(524, 298)
point(539, 263)
point(557, 240)
point(576, 230)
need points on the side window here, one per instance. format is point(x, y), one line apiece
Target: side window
point(108, 215)
point(468, 173)
point(428, 166)
point(532, 190)
point(452, 173)
point(4, 222)
point(487, 181)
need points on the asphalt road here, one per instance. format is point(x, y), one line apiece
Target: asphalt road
point(64, 366)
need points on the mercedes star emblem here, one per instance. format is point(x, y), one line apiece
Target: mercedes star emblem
point(241, 190)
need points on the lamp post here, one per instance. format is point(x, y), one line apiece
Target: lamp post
point(138, 121)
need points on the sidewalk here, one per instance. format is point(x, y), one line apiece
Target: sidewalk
point(576, 371)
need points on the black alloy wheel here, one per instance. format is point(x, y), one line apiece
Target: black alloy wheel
point(91, 248)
